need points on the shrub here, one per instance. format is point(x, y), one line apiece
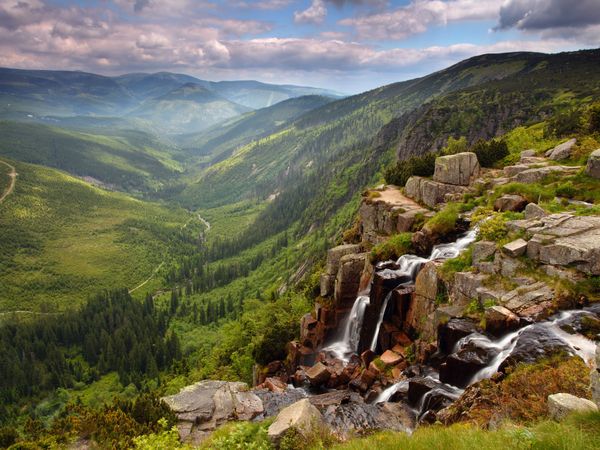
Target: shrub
point(240, 435)
point(566, 190)
point(564, 123)
point(8, 436)
point(401, 171)
point(393, 248)
point(444, 221)
point(493, 229)
point(490, 152)
point(459, 264)
point(454, 145)
point(594, 118)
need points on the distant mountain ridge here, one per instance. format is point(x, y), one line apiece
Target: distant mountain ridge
point(38, 94)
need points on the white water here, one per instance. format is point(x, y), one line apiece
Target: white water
point(349, 342)
point(380, 321)
point(411, 265)
point(386, 394)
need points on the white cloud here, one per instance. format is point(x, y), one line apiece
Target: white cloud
point(315, 13)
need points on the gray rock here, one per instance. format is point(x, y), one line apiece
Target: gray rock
point(203, 406)
point(511, 171)
point(561, 405)
point(464, 288)
point(593, 164)
point(515, 248)
point(459, 169)
point(483, 250)
point(527, 153)
point(533, 301)
point(595, 377)
point(538, 174)
point(335, 254)
point(347, 281)
point(301, 416)
point(327, 283)
point(533, 211)
point(561, 151)
point(510, 202)
point(430, 192)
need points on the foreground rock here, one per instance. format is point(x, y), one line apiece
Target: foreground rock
point(561, 151)
point(302, 416)
point(431, 192)
point(561, 405)
point(202, 407)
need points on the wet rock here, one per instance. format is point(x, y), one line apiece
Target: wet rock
point(422, 305)
point(593, 164)
point(274, 402)
point(515, 248)
point(318, 374)
point(363, 382)
point(275, 385)
point(452, 332)
point(459, 169)
point(536, 342)
point(299, 355)
point(203, 406)
point(460, 367)
point(367, 356)
point(418, 387)
point(561, 151)
point(483, 251)
point(533, 211)
point(500, 320)
point(561, 405)
point(510, 202)
point(430, 192)
point(302, 416)
point(436, 399)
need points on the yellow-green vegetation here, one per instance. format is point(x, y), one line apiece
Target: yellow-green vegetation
point(444, 221)
point(578, 432)
point(62, 240)
point(459, 264)
point(396, 246)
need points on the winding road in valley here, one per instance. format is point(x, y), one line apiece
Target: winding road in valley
point(13, 181)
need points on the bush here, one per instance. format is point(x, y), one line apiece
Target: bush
point(401, 171)
point(454, 146)
point(240, 435)
point(594, 118)
point(564, 123)
point(393, 248)
point(459, 264)
point(490, 152)
point(493, 229)
point(8, 436)
point(444, 221)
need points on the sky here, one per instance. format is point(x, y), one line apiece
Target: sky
point(346, 45)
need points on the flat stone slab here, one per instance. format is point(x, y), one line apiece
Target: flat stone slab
point(561, 405)
point(515, 248)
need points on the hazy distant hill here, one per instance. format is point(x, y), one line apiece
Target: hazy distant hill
point(31, 95)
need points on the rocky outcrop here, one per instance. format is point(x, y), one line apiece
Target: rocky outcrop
point(459, 169)
point(419, 317)
point(500, 320)
point(203, 406)
point(334, 256)
point(561, 405)
point(347, 281)
point(515, 248)
point(564, 240)
point(534, 301)
point(385, 212)
point(302, 416)
point(430, 192)
point(537, 174)
point(561, 151)
point(533, 211)
point(593, 164)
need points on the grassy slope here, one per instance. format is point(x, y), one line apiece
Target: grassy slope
point(132, 161)
point(62, 240)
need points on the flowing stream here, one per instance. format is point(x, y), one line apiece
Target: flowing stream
point(348, 345)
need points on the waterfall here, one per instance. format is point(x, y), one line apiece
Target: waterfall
point(349, 342)
point(411, 265)
point(386, 394)
point(380, 321)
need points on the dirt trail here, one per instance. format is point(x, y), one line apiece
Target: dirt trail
point(204, 222)
point(13, 180)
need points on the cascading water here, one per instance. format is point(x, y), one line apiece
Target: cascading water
point(349, 342)
point(391, 390)
point(380, 321)
point(411, 265)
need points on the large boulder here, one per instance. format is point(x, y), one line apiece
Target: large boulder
point(564, 240)
point(515, 248)
point(537, 174)
point(593, 164)
point(203, 406)
point(561, 405)
point(533, 211)
point(334, 255)
point(419, 317)
point(561, 151)
point(461, 366)
point(459, 169)
point(301, 416)
point(483, 251)
point(430, 192)
point(500, 320)
point(318, 374)
point(510, 202)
